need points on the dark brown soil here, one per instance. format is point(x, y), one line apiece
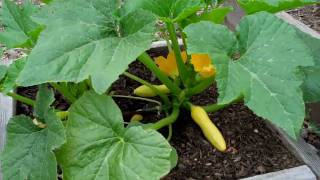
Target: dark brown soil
point(253, 148)
point(309, 15)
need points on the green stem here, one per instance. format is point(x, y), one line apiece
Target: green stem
point(183, 72)
point(137, 98)
point(168, 42)
point(163, 96)
point(203, 85)
point(168, 120)
point(169, 132)
point(183, 39)
point(217, 107)
point(64, 91)
point(22, 99)
point(149, 63)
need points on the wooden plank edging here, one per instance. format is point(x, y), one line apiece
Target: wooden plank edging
point(7, 110)
point(297, 173)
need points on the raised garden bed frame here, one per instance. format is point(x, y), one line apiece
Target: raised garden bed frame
point(302, 150)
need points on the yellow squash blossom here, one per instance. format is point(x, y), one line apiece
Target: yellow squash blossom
point(203, 65)
point(169, 65)
point(201, 62)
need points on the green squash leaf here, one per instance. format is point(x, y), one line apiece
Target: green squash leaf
point(13, 71)
point(1, 52)
point(45, 97)
point(174, 158)
point(99, 147)
point(259, 64)
point(28, 153)
point(20, 30)
point(175, 10)
point(83, 39)
point(311, 84)
point(272, 6)
point(216, 15)
point(3, 71)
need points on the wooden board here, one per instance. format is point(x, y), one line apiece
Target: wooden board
point(7, 110)
point(297, 173)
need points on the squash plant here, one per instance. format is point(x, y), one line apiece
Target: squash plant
point(80, 47)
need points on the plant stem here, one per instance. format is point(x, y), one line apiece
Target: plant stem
point(149, 63)
point(163, 96)
point(168, 120)
point(168, 42)
point(217, 107)
point(169, 132)
point(22, 99)
point(183, 72)
point(137, 98)
point(201, 86)
point(183, 39)
point(64, 91)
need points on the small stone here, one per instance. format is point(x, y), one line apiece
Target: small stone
point(208, 164)
point(261, 169)
point(256, 130)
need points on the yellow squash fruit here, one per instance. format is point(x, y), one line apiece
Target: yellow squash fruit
point(145, 91)
point(210, 131)
point(136, 118)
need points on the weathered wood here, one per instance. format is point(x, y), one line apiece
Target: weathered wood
point(297, 173)
point(291, 20)
point(302, 150)
point(7, 108)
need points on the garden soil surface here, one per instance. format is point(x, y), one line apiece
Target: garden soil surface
point(253, 148)
point(310, 15)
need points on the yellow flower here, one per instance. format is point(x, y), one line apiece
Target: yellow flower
point(169, 65)
point(203, 65)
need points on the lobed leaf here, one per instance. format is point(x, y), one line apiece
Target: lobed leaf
point(260, 64)
point(84, 39)
point(3, 71)
point(176, 10)
point(9, 82)
point(100, 147)
point(272, 6)
point(217, 15)
point(20, 30)
point(28, 153)
point(311, 84)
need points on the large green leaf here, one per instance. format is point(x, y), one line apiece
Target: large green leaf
point(45, 98)
point(20, 30)
point(83, 40)
point(259, 64)
point(3, 71)
point(311, 84)
point(13, 71)
point(99, 147)
point(273, 6)
point(217, 15)
point(176, 10)
point(28, 153)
